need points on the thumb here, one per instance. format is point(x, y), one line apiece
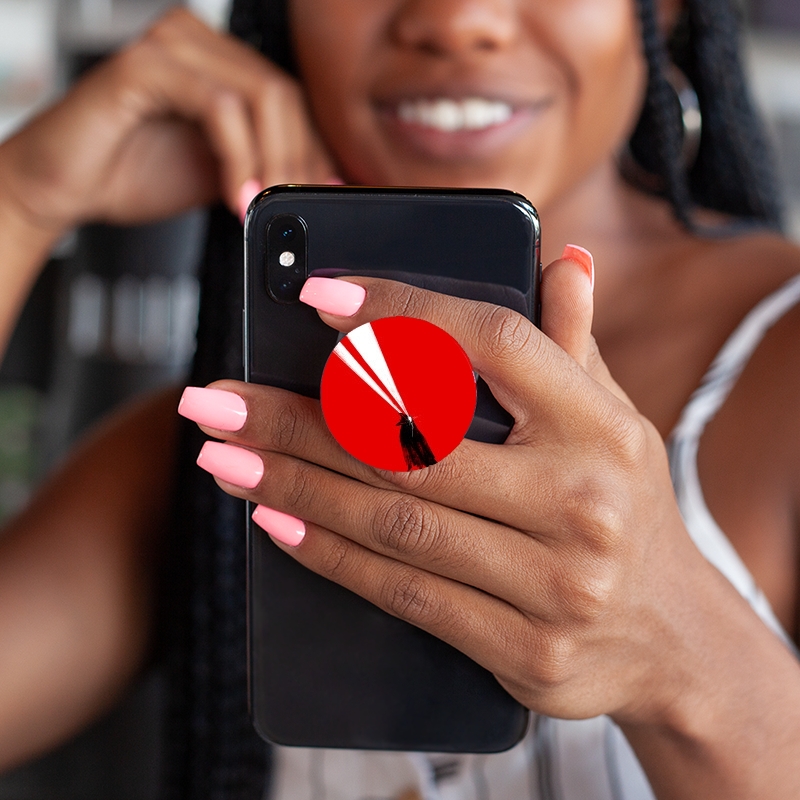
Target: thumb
point(567, 310)
point(568, 303)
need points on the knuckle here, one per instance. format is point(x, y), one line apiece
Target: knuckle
point(412, 598)
point(273, 92)
point(627, 438)
point(165, 29)
point(334, 560)
point(588, 592)
point(551, 665)
point(288, 427)
point(506, 333)
point(594, 514)
point(594, 361)
point(408, 300)
point(301, 488)
point(131, 60)
point(406, 525)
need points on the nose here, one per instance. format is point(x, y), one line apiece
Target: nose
point(450, 27)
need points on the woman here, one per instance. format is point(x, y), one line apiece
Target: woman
point(575, 577)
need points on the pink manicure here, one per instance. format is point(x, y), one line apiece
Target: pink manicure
point(582, 256)
point(283, 527)
point(232, 464)
point(334, 296)
point(216, 408)
point(249, 190)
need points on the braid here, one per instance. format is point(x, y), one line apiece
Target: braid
point(265, 25)
point(733, 173)
point(657, 141)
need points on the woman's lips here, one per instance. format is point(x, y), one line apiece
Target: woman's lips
point(453, 129)
point(450, 116)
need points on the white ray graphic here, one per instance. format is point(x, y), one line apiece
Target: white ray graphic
point(367, 346)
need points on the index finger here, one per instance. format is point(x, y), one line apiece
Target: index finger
point(521, 365)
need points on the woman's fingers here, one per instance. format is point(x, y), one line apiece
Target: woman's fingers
point(515, 485)
point(167, 87)
point(440, 540)
point(531, 376)
point(179, 118)
point(485, 628)
point(285, 147)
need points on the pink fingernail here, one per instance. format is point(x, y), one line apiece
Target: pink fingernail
point(216, 408)
point(334, 180)
point(580, 255)
point(283, 527)
point(334, 296)
point(249, 190)
point(232, 464)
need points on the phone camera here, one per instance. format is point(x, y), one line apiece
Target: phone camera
point(286, 257)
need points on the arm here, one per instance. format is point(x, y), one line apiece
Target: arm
point(77, 572)
point(24, 248)
point(180, 118)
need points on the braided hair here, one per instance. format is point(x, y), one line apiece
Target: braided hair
point(733, 172)
point(212, 750)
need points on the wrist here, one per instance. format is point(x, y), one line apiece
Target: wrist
point(25, 244)
point(724, 718)
point(23, 235)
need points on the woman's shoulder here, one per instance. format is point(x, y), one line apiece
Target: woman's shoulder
point(735, 273)
point(760, 252)
point(760, 272)
point(749, 458)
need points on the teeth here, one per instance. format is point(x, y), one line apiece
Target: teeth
point(448, 115)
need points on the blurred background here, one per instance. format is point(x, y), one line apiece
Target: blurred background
point(114, 314)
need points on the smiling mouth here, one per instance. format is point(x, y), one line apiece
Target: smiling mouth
point(451, 116)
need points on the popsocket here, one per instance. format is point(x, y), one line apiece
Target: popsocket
point(398, 393)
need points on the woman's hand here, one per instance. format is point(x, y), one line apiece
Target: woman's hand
point(543, 558)
point(557, 560)
point(180, 117)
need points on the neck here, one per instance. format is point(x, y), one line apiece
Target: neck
point(631, 235)
point(608, 217)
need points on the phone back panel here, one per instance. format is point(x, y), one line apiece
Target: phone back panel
point(327, 668)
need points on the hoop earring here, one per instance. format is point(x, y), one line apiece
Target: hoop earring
point(691, 120)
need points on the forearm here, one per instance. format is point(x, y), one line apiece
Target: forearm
point(733, 730)
point(24, 248)
point(77, 579)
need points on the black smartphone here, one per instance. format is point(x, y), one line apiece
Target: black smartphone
point(327, 668)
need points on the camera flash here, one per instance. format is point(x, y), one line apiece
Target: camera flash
point(286, 258)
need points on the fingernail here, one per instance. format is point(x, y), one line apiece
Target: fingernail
point(216, 408)
point(283, 527)
point(250, 188)
point(334, 296)
point(334, 180)
point(580, 255)
point(232, 464)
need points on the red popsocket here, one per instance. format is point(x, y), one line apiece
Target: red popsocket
point(398, 393)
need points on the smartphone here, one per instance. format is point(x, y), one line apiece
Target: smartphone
point(327, 668)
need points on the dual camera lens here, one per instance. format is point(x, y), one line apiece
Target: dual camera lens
point(287, 241)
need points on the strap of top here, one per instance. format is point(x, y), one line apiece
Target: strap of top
point(684, 441)
point(726, 368)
